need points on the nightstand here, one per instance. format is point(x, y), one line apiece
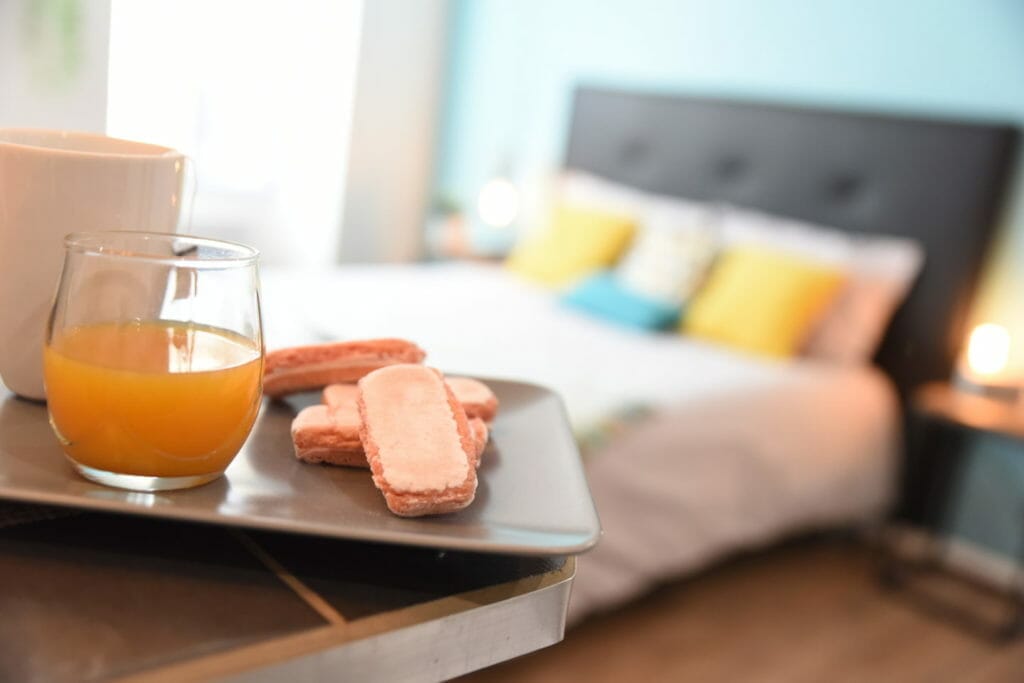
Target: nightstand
point(940, 423)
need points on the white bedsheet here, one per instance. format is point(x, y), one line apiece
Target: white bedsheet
point(739, 451)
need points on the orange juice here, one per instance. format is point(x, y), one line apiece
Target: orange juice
point(157, 399)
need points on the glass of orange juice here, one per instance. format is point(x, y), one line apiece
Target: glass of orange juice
point(153, 360)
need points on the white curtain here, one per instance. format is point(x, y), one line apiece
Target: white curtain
point(53, 64)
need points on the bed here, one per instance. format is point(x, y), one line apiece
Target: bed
point(708, 451)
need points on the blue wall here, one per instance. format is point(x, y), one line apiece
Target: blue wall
point(513, 64)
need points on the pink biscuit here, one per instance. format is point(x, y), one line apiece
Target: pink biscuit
point(417, 440)
point(301, 368)
point(319, 437)
point(475, 396)
point(481, 435)
point(340, 400)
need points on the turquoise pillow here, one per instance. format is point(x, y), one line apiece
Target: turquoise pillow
point(604, 296)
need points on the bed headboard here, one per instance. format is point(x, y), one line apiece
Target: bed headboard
point(939, 182)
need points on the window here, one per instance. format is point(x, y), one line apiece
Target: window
point(259, 96)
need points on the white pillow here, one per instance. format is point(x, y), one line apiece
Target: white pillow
point(676, 242)
point(813, 242)
point(668, 263)
point(583, 189)
point(881, 271)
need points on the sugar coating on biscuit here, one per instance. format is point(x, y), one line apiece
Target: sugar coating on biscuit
point(481, 434)
point(475, 396)
point(412, 433)
point(314, 426)
point(359, 350)
point(341, 400)
point(301, 368)
point(388, 390)
point(317, 438)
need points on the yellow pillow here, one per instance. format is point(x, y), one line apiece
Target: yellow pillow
point(762, 301)
point(577, 242)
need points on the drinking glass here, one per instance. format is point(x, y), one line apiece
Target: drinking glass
point(153, 359)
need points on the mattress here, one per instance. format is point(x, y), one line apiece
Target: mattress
point(734, 452)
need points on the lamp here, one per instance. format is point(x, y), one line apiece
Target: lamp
point(983, 369)
point(498, 203)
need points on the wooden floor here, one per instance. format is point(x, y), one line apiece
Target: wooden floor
point(811, 611)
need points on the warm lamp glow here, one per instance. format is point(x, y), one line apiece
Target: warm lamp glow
point(988, 350)
point(498, 203)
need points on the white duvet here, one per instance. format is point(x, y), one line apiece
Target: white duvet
point(739, 450)
point(477, 319)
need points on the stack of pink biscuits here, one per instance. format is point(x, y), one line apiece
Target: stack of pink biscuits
point(420, 434)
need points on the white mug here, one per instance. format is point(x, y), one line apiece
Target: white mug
point(57, 182)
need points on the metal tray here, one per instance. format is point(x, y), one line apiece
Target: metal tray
point(532, 497)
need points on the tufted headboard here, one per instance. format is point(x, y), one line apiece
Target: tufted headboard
point(938, 182)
